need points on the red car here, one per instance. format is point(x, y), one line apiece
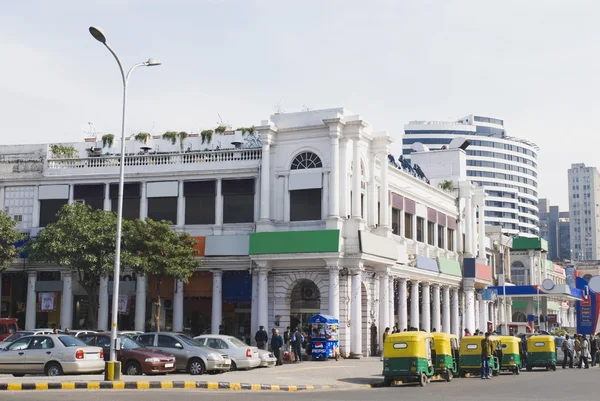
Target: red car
point(8, 326)
point(135, 359)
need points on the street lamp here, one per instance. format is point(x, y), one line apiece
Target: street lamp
point(100, 37)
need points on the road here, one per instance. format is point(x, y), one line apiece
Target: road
point(571, 384)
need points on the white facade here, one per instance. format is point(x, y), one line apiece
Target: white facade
point(505, 166)
point(584, 212)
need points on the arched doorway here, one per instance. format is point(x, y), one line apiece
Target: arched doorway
point(305, 302)
point(519, 317)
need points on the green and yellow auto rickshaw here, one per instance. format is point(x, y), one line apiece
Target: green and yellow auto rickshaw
point(508, 354)
point(541, 352)
point(470, 356)
point(445, 358)
point(407, 357)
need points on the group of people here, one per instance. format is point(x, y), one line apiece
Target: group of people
point(584, 349)
point(290, 342)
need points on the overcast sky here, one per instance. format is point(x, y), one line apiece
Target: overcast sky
point(532, 63)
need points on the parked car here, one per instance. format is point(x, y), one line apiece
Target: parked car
point(131, 333)
point(558, 341)
point(78, 333)
point(267, 358)
point(190, 355)
point(134, 357)
point(15, 336)
point(8, 326)
point(50, 354)
point(242, 355)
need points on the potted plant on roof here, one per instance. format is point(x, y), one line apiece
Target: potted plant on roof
point(182, 135)
point(206, 136)
point(220, 129)
point(142, 137)
point(108, 140)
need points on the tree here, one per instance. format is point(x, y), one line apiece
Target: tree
point(447, 185)
point(82, 239)
point(8, 238)
point(162, 253)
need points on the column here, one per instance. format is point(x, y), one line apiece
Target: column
point(286, 198)
point(483, 315)
point(35, 220)
point(425, 307)
point(474, 230)
point(334, 290)
point(178, 305)
point(436, 309)
point(391, 302)
point(469, 309)
point(71, 194)
point(334, 176)
point(217, 302)
point(509, 310)
point(468, 227)
point(265, 186)
point(2, 198)
point(107, 202)
point(31, 309)
point(66, 305)
point(103, 304)
point(501, 315)
point(356, 316)
point(481, 223)
point(372, 193)
point(263, 297)
point(402, 305)
point(384, 305)
point(446, 310)
point(343, 175)
point(143, 201)
point(356, 190)
point(455, 321)
point(181, 205)
point(254, 310)
point(385, 200)
point(219, 203)
point(414, 304)
point(476, 313)
point(140, 303)
point(325, 200)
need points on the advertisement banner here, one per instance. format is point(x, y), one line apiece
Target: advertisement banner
point(47, 302)
point(123, 304)
point(587, 309)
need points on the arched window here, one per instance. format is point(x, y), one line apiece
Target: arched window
point(306, 160)
point(517, 273)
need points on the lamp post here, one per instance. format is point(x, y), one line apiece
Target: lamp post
point(99, 36)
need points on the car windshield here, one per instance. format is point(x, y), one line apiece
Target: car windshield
point(69, 341)
point(128, 343)
point(17, 335)
point(237, 342)
point(189, 341)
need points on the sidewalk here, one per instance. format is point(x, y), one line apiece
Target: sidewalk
point(344, 374)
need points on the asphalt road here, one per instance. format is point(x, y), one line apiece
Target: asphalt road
point(570, 384)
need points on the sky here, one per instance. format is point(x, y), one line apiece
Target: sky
point(532, 63)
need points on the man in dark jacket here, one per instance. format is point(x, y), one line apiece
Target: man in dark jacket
point(297, 341)
point(261, 338)
point(276, 344)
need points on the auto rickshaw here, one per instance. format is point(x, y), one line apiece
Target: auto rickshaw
point(446, 354)
point(509, 354)
point(541, 352)
point(408, 356)
point(470, 356)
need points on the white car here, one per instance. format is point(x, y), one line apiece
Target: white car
point(50, 354)
point(267, 358)
point(18, 334)
point(242, 355)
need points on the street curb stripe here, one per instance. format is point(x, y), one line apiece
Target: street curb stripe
point(147, 385)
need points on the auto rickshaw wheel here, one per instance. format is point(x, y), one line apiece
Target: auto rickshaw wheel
point(529, 368)
point(422, 380)
point(553, 368)
point(495, 372)
point(517, 371)
point(462, 374)
point(448, 375)
point(387, 382)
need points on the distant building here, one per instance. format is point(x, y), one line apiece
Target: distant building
point(584, 212)
point(555, 228)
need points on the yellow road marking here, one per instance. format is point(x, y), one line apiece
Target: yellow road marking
point(143, 385)
point(41, 386)
point(68, 386)
point(212, 386)
point(118, 385)
point(166, 384)
point(93, 385)
point(255, 387)
point(235, 386)
point(14, 386)
point(189, 384)
point(293, 388)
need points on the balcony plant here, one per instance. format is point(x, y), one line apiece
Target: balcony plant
point(182, 135)
point(220, 129)
point(206, 135)
point(142, 137)
point(63, 152)
point(108, 140)
point(170, 136)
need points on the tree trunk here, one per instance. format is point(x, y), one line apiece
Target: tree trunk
point(157, 314)
point(93, 303)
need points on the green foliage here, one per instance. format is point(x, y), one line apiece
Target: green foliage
point(447, 185)
point(63, 152)
point(107, 140)
point(182, 135)
point(170, 136)
point(8, 237)
point(206, 135)
point(220, 129)
point(559, 332)
point(142, 137)
point(246, 130)
point(162, 253)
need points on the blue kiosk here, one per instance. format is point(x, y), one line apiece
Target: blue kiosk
point(325, 337)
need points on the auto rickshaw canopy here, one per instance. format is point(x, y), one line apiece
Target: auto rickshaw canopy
point(510, 344)
point(443, 343)
point(541, 343)
point(409, 344)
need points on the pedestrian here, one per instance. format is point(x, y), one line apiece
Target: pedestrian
point(67, 331)
point(476, 332)
point(567, 353)
point(297, 341)
point(221, 330)
point(585, 352)
point(467, 333)
point(261, 338)
point(286, 338)
point(55, 331)
point(577, 346)
point(276, 344)
point(596, 346)
point(486, 351)
point(385, 334)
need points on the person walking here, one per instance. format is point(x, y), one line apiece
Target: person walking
point(577, 347)
point(585, 352)
point(386, 332)
point(486, 352)
point(596, 345)
point(467, 333)
point(297, 341)
point(276, 345)
point(286, 338)
point(567, 352)
point(261, 338)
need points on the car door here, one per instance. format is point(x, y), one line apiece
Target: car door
point(39, 352)
point(172, 345)
point(12, 359)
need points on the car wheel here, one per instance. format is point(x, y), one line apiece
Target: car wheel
point(422, 380)
point(233, 367)
point(53, 369)
point(133, 369)
point(195, 367)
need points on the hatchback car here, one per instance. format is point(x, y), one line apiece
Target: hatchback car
point(190, 355)
point(50, 354)
point(242, 355)
point(135, 358)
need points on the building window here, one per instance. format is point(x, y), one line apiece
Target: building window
point(164, 208)
point(441, 232)
point(517, 273)
point(306, 160)
point(305, 204)
point(408, 226)
point(131, 200)
point(238, 201)
point(396, 221)
point(431, 233)
point(49, 209)
point(91, 195)
point(420, 229)
point(450, 239)
point(200, 197)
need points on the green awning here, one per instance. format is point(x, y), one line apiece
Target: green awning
point(450, 267)
point(294, 242)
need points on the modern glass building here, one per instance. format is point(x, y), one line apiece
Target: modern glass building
point(505, 166)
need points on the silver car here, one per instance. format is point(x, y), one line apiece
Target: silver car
point(18, 334)
point(50, 354)
point(190, 355)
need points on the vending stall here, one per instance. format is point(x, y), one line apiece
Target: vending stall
point(324, 337)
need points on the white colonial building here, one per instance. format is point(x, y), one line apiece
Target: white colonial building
point(309, 214)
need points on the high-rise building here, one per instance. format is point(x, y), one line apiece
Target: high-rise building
point(554, 228)
point(506, 167)
point(584, 212)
